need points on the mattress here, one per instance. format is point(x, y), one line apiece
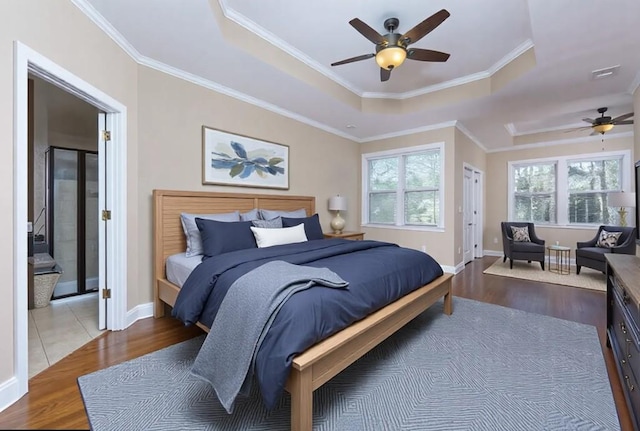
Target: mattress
point(179, 266)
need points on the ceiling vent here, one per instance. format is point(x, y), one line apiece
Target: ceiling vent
point(607, 72)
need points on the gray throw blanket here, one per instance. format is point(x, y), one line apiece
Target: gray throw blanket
point(244, 318)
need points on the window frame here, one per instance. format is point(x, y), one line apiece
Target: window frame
point(401, 190)
point(562, 182)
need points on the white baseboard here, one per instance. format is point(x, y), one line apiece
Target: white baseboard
point(496, 253)
point(453, 269)
point(141, 311)
point(9, 393)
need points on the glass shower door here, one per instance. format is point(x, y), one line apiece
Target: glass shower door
point(74, 219)
point(64, 202)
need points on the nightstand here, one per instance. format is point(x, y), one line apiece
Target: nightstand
point(356, 236)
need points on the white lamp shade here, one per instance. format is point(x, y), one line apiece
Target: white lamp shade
point(337, 203)
point(621, 199)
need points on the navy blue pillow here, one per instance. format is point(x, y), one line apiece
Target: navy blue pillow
point(221, 237)
point(311, 225)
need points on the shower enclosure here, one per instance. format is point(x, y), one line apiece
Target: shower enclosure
point(73, 219)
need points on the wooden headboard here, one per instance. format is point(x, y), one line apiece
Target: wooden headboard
point(168, 204)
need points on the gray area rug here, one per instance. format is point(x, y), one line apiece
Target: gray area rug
point(485, 367)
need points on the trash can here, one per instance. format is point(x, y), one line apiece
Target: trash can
point(46, 273)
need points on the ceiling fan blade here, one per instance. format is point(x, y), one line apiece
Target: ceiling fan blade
point(425, 27)
point(367, 31)
point(384, 74)
point(622, 117)
point(352, 59)
point(617, 123)
point(426, 55)
point(589, 120)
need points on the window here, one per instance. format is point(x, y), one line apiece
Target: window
point(589, 183)
point(567, 190)
point(535, 192)
point(403, 187)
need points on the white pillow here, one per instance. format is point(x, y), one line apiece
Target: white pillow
point(266, 237)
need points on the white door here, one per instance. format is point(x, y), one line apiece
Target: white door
point(477, 214)
point(467, 216)
point(102, 223)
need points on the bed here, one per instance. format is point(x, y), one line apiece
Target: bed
point(319, 363)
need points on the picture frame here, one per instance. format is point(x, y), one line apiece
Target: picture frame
point(231, 159)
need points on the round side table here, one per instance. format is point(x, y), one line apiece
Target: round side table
point(563, 257)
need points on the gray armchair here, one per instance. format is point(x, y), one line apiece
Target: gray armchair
point(520, 250)
point(591, 256)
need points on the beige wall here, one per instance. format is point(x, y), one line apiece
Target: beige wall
point(163, 143)
point(496, 189)
point(172, 113)
point(440, 245)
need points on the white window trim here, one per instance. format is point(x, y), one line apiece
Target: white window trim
point(399, 152)
point(562, 183)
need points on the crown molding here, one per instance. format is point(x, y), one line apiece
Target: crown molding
point(560, 142)
point(95, 16)
point(409, 131)
point(198, 80)
point(511, 128)
point(470, 135)
point(274, 40)
point(511, 56)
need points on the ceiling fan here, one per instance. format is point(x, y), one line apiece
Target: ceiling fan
point(393, 48)
point(603, 124)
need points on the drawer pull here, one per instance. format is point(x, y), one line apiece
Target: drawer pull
point(629, 385)
point(623, 327)
point(628, 344)
point(625, 297)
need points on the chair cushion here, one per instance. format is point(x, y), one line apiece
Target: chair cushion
point(608, 239)
point(595, 253)
point(520, 234)
point(527, 247)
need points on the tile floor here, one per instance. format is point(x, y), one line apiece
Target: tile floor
point(60, 328)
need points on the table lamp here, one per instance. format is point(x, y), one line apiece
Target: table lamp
point(622, 201)
point(337, 203)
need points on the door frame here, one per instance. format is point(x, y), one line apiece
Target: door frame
point(477, 202)
point(26, 61)
point(468, 200)
point(478, 185)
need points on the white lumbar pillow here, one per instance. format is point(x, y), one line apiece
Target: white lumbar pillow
point(266, 237)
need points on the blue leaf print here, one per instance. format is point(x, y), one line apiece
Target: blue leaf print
point(222, 164)
point(248, 170)
point(239, 149)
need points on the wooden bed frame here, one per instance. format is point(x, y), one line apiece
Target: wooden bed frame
point(318, 364)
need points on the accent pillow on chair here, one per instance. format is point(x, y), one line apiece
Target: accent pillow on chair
point(608, 239)
point(520, 234)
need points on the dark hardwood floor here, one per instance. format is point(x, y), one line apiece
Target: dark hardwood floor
point(54, 401)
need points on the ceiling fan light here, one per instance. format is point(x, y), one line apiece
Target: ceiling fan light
point(602, 128)
point(391, 57)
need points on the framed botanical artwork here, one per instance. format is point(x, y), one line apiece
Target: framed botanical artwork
point(236, 160)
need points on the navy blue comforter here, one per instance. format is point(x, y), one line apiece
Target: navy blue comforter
point(378, 273)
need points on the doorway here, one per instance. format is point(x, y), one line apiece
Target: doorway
point(113, 278)
point(472, 199)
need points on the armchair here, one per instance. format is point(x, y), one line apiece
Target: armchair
point(522, 250)
point(590, 255)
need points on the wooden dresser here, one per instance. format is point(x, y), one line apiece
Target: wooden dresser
point(623, 325)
